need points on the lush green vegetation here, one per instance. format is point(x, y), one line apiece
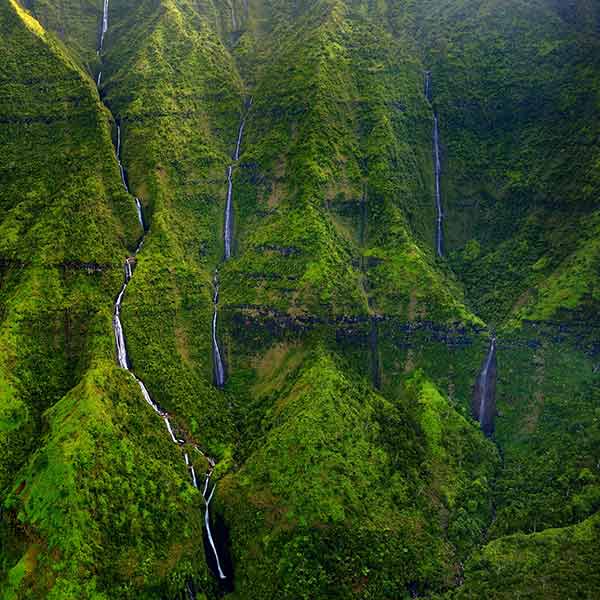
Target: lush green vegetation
point(348, 464)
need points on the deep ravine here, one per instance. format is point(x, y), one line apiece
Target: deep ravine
point(123, 358)
point(437, 166)
point(484, 392)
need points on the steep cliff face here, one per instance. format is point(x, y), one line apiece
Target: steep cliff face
point(348, 463)
point(516, 86)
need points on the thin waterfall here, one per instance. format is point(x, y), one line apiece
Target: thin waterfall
point(207, 523)
point(437, 164)
point(121, 347)
point(428, 85)
point(122, 358)
point(99, 79)
point(228, 213)
point(219, 368)
point(140, 213)
point(121, 169)
point(104, 25)
point(439, 236)
point(484, 391)
point(228, 229)
point(190, 591)
point(218, 365)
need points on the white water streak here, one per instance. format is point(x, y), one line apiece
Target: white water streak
point(219, 368)
point(438, 193)
point(428, 85)
point(104, 24)
point(140, 213)
point(118, 329)
point(208, 531)
point(229, 204)
point(121, 169)
point(148, 399)
point(484, 379)
point(168, 424)
point(228, 213)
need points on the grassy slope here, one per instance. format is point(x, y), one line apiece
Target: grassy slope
point(59, 215)
point(344, 492)
point(316, 137)
point(554, 564)
point(175, 89)
point(515, 88)
point(79, 517)
point(337, 490)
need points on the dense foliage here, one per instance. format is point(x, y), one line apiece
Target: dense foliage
point(348, 464)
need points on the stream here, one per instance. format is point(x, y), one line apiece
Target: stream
point(121, 347)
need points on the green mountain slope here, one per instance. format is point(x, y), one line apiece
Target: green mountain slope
point(348, 464)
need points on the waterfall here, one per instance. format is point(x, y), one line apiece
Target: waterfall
point(438, 194)
point(190, 591)
point(121, 347)
point(484, 392)
point(218, 362)
point(437, 164)
point(238, 145)
point(121, 169)
point(228, 213)
point(227, 234)
point(122, 358)
point(207, 523)
point(148, 399)
point(428, 85)
point(140, 213)
point(219, 369)
point(104, 25)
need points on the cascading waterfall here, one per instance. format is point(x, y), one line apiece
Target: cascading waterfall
point(121, 347)
point(437, 164)
point(121, 169)
point(484, 392)
point(218, 365)
point(124, 363)
point(207, 498)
